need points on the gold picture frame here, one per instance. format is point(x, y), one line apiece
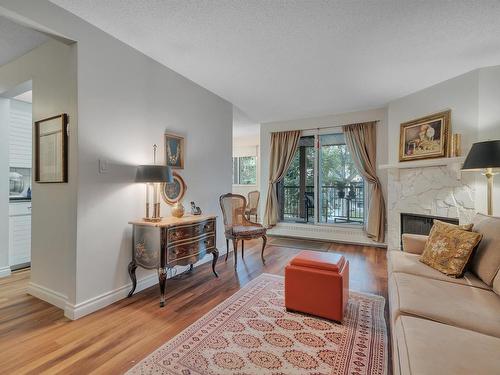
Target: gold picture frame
point(51, 149)
point(174, 151)
point(425, 138)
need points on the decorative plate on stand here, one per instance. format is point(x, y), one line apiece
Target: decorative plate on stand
point(174, 192)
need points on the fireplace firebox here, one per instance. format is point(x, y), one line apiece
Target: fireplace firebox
point(420, 224)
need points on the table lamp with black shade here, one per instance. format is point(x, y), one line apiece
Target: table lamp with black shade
point(484, 156)
point(153, 176)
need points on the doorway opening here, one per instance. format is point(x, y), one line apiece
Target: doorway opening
point(20, 119)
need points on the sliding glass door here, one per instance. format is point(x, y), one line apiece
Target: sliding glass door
point(322, 185)
point(341, 198)
point(296, 191)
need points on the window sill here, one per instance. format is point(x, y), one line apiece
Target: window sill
point(334, 233)
point(325, 225)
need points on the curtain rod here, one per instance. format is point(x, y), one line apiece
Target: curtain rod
point(337, 126)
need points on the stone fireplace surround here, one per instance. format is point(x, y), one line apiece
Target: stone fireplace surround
point(427, 190)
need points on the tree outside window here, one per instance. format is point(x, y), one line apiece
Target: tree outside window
point(245, 170)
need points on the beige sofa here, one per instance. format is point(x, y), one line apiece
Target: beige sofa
point(442, 325)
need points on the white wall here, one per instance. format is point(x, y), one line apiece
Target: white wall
point(126, 101)
point(51, 67)
point(337, 233)
point(473, 99)
point(489, 129)
point(4, 187)
point(458, 94)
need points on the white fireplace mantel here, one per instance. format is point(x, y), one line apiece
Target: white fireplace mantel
point(454, 164)
point(430, 187)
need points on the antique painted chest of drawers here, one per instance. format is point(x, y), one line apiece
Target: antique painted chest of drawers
point(171, 242)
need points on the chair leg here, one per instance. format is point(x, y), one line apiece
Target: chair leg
point(264, 241)
point(235, 246)
point(242, 249)
point(227, 249)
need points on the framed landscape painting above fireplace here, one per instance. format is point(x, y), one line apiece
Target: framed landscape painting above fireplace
point(425, 138)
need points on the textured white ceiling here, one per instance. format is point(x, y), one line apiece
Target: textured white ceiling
point(17, 40)
point(289, 59)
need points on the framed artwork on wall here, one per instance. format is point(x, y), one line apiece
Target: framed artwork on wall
point(174, 192)
point(425, 138)
point(174, 151)
point(51, 149)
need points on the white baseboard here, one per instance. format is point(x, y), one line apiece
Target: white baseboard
point(79, 310)
point(335, 233)
point(4, 271)
point(74, 312)
point(91, 305)
point(47, 295)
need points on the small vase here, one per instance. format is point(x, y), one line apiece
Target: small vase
point(178, 210)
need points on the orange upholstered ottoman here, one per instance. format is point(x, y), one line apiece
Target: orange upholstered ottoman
point(317, 283)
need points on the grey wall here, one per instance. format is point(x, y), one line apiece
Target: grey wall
point(52, 69)
point(126, 101)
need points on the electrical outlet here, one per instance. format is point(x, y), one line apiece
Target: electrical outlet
point(103, 166)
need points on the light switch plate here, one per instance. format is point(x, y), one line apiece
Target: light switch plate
point(103, 166)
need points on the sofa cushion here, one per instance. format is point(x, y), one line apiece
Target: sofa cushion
point(486, 260)
point(413, 243)
point(399, 261)
point(420, 346)
point(448, 248)
point(453, 304)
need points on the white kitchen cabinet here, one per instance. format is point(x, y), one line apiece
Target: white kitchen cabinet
point(19, 233)
point(20, 135)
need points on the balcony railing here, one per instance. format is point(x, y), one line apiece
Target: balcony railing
point(337, 205)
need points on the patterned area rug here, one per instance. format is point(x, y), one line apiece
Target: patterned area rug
point(252, 333)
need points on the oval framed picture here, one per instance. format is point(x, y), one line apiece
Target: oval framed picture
point(174, 192)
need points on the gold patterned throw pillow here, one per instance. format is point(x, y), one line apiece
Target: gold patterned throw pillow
point(449, 247)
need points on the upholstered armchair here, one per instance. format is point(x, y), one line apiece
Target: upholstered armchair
point(253, 204)
point(237, 227)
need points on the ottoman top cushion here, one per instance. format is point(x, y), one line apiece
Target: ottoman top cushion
point(319, 260)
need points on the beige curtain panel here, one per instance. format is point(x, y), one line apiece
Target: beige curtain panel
point(361, 141)
point(283, 146)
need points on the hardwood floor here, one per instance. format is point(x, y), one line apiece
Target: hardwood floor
point(35, 337)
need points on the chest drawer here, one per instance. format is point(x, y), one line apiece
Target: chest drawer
point(184, 232)
point(190, 251)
